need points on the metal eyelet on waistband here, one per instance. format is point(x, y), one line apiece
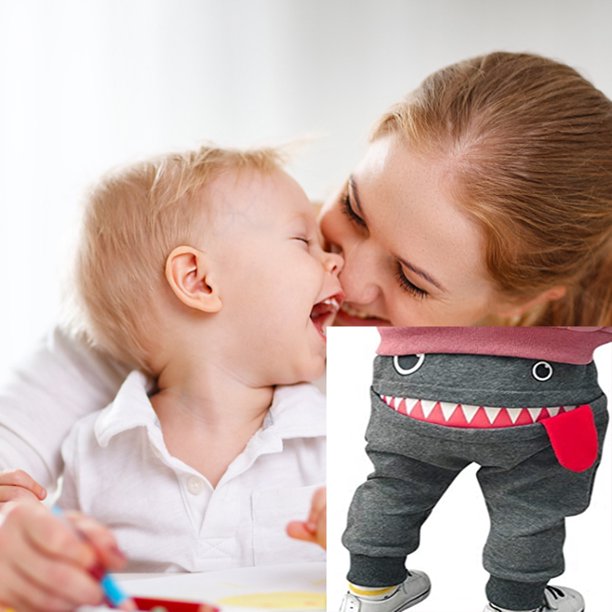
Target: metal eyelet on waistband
point(405, 371)
point(542, 370)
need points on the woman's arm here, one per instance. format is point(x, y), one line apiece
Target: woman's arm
point(61, 381)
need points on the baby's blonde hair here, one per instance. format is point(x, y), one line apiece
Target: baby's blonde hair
point(528, 142)
point(133, 219)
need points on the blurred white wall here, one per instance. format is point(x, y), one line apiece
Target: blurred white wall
point(88, 84)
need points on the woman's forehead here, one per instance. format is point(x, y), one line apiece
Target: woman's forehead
point(406, 199)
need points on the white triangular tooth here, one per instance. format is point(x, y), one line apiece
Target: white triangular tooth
point(469, 412)
point(393, 401)
point(398, 403)
point(427, 406)
point(535, 413)
point(491, 413)
point(568, 408)
point(553, 411)
point(514, 413)
point(410, 403)
point(447, 409)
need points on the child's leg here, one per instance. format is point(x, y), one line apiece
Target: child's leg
point(387, 512)
point(528, 505)
point(386, 515)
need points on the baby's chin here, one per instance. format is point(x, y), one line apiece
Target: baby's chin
point(318, 373)
point(307, 374)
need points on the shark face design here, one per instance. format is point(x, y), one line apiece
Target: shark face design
point(489, 393)
point(469, 415)
point(405, 374)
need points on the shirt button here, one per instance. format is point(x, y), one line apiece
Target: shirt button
point(195, 485)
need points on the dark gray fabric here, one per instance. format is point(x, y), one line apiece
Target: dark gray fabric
point(522, 595)
point(528, 493)
point(488, 381)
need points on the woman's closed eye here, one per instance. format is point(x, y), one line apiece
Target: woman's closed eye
point(349, 211)
point(407, 285)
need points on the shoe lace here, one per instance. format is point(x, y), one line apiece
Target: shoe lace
point(555, 593)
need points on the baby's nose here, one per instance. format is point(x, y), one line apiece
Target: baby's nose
point(333, 262)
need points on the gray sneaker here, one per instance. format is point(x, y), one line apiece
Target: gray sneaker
point(560, 599)
point(413, 590)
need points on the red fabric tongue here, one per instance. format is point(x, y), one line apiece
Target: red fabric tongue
point(573, 437)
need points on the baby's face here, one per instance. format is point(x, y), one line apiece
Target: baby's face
point(279, 289)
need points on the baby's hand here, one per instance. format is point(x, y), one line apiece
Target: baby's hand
point(45, 565)
point(18, 485)
point(314, 529)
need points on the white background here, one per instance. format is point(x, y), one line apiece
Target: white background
point(89, 84)
point(455, 533)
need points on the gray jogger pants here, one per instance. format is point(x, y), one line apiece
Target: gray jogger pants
point(527, 491)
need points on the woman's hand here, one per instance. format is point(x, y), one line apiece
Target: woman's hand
point(313, 529)
point(19, 485)
point(45, 565)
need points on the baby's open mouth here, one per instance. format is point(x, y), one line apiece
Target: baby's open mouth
point(324, 312)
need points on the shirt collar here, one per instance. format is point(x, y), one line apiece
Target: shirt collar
point(130, 409)
point(297, 411)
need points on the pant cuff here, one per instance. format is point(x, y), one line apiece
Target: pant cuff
point(377, 571)
point(515, 595)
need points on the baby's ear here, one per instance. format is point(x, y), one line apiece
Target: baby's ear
point(191, 281)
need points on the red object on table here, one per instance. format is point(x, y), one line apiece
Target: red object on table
point(171, 605)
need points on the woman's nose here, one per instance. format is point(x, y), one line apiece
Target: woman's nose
point(360, 275)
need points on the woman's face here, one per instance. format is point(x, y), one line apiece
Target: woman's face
point(412, 256)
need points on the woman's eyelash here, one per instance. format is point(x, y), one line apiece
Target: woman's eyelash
point(347, 209)
point(408, 286)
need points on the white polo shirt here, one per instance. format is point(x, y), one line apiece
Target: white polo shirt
point(167, 516)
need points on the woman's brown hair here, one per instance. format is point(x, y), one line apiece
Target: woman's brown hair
point(530, 147)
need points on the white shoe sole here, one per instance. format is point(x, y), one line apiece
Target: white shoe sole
point(415, 600)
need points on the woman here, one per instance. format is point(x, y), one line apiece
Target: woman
point(484, 198)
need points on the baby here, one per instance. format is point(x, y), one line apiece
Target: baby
point(203, 272)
